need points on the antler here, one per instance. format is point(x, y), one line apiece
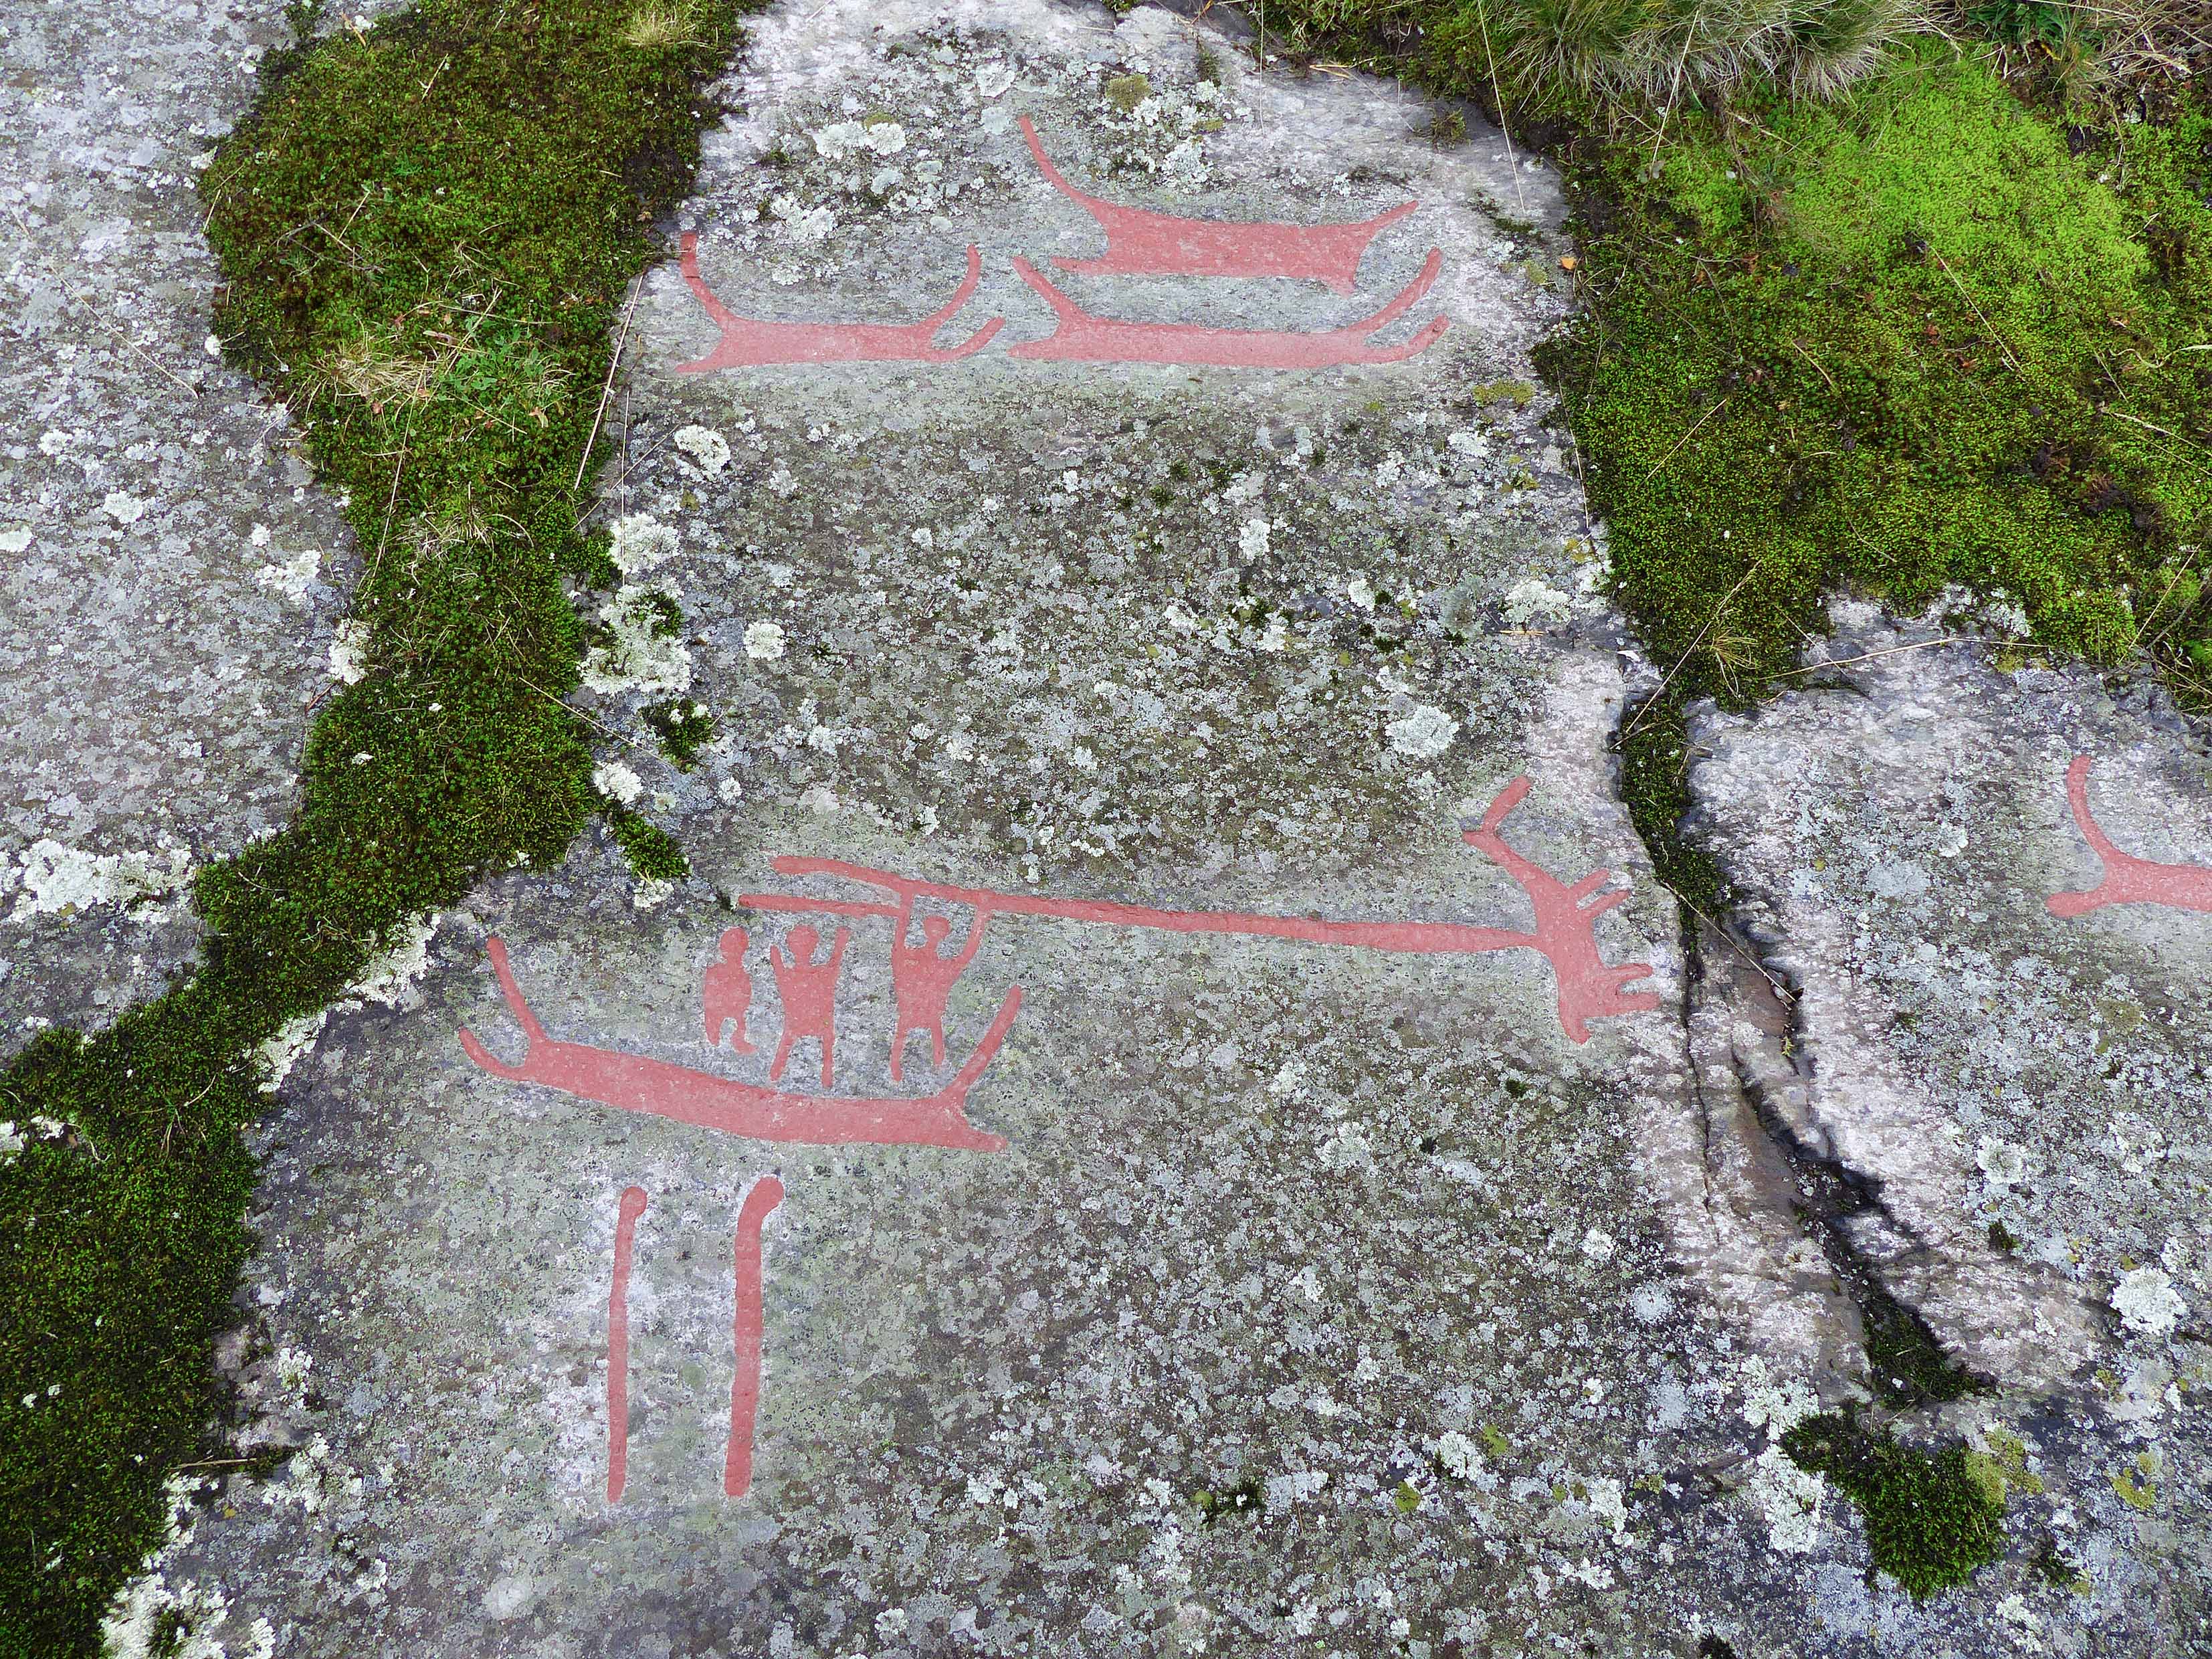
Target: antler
point(1567, 927)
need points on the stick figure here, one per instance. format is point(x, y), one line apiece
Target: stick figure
point(728, 994)
point(808, 990)
point(922, 980)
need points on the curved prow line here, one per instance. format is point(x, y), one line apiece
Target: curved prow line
point(1096, 206)
point(1413, 348)
point(928, 326)
point(2078, 903)
point(1407, 298)
point(534, 1034)
point(2077, 793)
point(495, 948)
point(955, 1093)
point(725, 318)
point(1068, 311)
point(1502, 807)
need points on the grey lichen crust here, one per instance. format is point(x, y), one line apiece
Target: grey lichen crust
point(168, 579)
point(1322, 1300)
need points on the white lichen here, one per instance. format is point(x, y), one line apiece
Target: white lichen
point(2146, 1301)
point(289, 579)
point(1778, 1405)
point(2003, 1164)
point(1609, 1506)
point(1535, 604)
point(1458, 1454)
point(1423, 732)
point(1285, 1490)
point(705, 446)
point(349, 651)
point(293, 1366)
point(280, 1053)
point(638, 541)
point(639, 655)
point(618, 782)
point(1788, 1498)
point(57, 878)
point(150, 1616)
point(765, 641)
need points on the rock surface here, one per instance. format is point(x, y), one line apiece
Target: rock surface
point(168, 579)
point(2003, 1034)
point(1355, 1238)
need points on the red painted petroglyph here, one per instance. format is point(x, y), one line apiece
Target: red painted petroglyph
point(1143, 244)
point(752, 342)
point(727, 995)
point(1565, 933)
point(632, 1207)
point(2127, 879)
point(745, 1389)
point(660, 1088)
point(1082, 337)
point(923, 978)
point(808, 991)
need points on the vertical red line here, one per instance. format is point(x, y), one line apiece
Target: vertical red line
point(633, 1205)
point(744, 1390)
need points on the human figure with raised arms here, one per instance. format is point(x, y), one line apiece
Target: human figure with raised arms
point(808, 990)
point(923, 978)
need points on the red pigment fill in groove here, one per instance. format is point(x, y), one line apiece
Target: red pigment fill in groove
point(1139, 243)
point(754, 341)
point(2127, 879)
point(744, 1389)
point(633, 1205)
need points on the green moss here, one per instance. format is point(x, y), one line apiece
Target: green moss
point(2137, 1484)
point(424, 229)
point(1906, 1365)
point(1247, 1497)
point(684, 727)
point(1653, 744)
point(1930, 1524)
point(653, 853)
point(1125, 92)
point(1904, 342)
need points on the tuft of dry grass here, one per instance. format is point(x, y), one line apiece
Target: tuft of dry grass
point(366, 367)
point(662, 25)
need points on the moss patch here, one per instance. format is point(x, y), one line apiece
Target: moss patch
point(1918, 336)
point(424, 229)
point(1930, 1522)
point(1909, 342)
